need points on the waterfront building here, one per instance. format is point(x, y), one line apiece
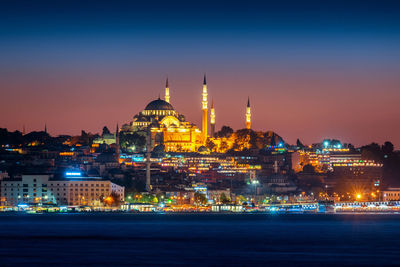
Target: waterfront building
point(277, 184)
point(357, 175)
point(391, 194)
point(215, 195)
point(324, 159)
point(71, 190)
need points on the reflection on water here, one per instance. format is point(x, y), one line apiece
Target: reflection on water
point(199, 239)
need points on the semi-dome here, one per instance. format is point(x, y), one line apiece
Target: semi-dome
point(159, 104)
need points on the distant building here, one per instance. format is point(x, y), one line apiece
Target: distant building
point(391, 194)
point(45, 188)
point(107, 139)
point(365, 175)
point(276, 184)
point(215, 195)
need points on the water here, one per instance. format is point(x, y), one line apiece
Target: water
point(199, 239)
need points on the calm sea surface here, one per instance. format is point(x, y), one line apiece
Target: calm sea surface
point(199, 239)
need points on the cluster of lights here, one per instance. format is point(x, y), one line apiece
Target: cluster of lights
point(73, 174)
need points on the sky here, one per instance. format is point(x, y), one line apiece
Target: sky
point(312, 69)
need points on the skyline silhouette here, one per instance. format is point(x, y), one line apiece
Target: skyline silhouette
point(312, 71)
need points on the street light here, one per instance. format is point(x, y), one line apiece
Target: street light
point(255, 183)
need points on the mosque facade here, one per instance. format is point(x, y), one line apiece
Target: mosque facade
point(169, 129)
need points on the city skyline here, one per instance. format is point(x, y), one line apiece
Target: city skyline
point(210, 133)
point(311, 73)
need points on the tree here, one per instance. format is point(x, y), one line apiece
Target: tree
point(200, 199)
point(225, 131)
point(10, 138)
point(224, 199)
point(241, 200)
point(211, 145)
point(242, 139)
point(224, 146)
point(113, 200)
point(299, 144)
point(308, 168)
point(387, 148)
point(134, 141)
point(371, 152)
point(105, 131)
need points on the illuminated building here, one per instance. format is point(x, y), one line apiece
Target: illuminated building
point(391, 194)
point(167, 127)
point(106, 138)
point(248, 115)
point(170, 129)
point(212, 169)
point(212, 120)
point(214, 196)
point(365, 175)
point(73, 189)
point(323, 158)
point(205, 110)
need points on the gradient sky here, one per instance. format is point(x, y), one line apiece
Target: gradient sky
point(312, 69)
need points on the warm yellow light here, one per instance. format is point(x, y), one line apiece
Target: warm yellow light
point(358, 196)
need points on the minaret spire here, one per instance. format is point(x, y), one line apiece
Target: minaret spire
point(45, 128)
point(167, 97)
point(212, 119)
point(117, 141)
point(23, 129)
point(205, 110)
point(248, 114)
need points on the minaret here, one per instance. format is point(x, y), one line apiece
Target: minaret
point(167, 97)
point(212, 119)
point(23, 129)
point(205, 110)
point(248, 114)
point(148, 162)
point(45, 128)
point(117, 141)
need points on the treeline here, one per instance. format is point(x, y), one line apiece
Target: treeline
point(244, 139)
point(386, 155)
point(42, 138)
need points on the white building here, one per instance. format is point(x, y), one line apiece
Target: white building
point(45, 188)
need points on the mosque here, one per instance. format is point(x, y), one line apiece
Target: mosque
point(169, 128)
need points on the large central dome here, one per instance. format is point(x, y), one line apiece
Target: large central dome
point(159, 104)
